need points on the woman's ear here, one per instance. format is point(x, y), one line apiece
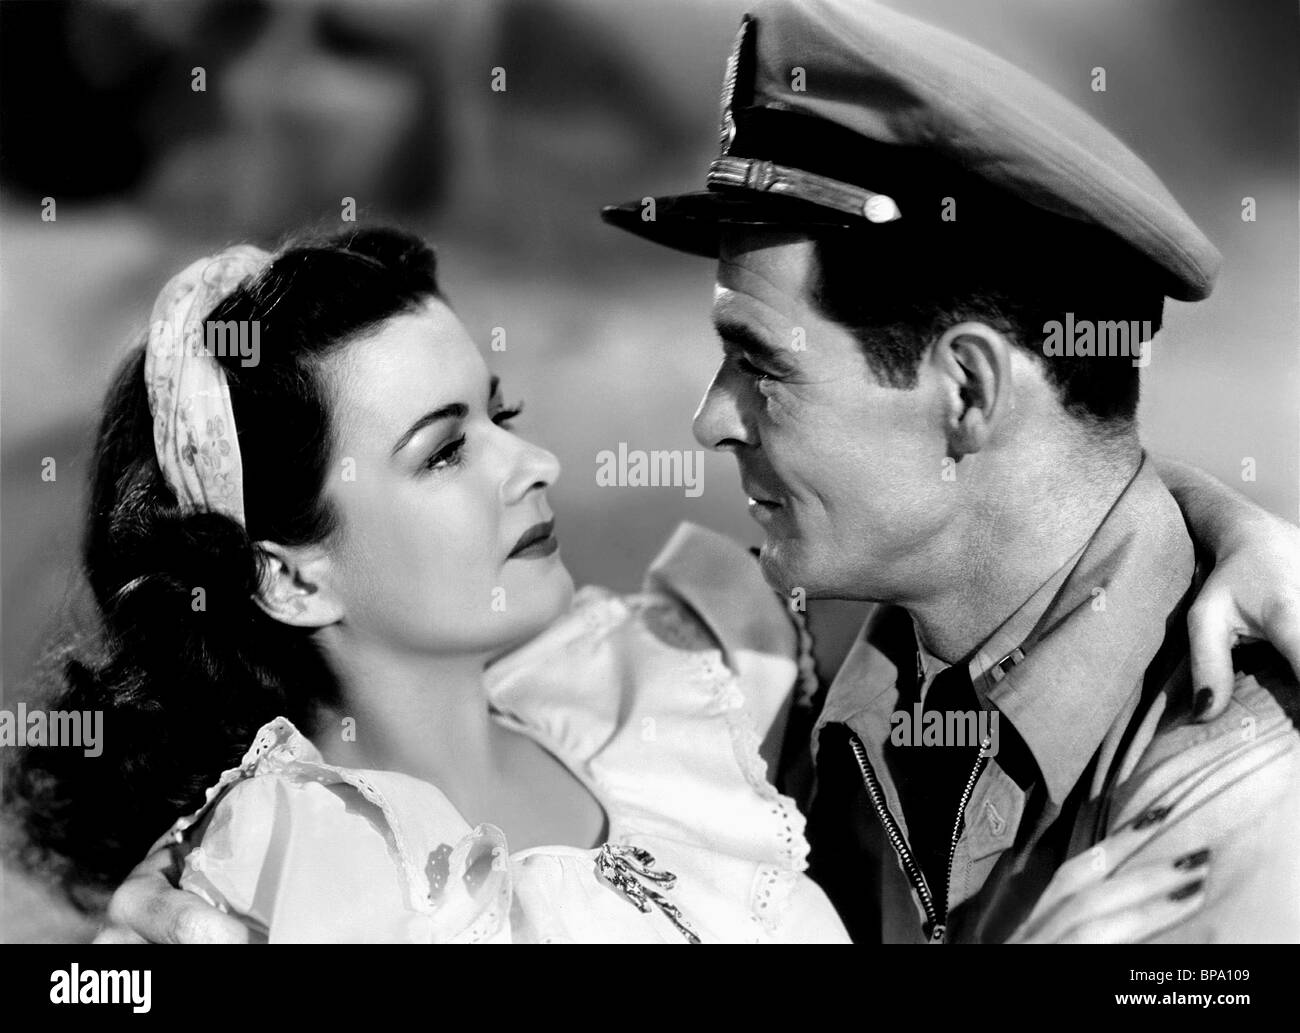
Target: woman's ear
point(974, 361)
point(295, 586)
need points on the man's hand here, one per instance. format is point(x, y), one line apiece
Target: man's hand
point(1253, 591)
point(148, 908)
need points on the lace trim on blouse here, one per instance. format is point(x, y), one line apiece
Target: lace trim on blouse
point(279, 748)
point(669, 621)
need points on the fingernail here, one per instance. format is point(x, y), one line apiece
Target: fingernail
point(1188, 890)
point(1201, 704)
point(1151, 817)
point(1193, 860)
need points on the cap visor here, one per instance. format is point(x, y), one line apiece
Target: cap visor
point(692, 222)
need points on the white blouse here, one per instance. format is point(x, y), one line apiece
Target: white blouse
point(657, 701)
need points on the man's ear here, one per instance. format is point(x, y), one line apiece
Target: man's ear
point(295, 586)
point(975, 365)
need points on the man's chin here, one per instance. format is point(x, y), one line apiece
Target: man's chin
point(789, 567)
point(781, 562)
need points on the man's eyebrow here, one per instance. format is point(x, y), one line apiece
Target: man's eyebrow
point(453, 411)
point(736, 334)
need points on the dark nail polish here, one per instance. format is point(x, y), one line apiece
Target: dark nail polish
point(1201, 704)
point(1193, 860)
point(1151, 817)
point(1188, 890)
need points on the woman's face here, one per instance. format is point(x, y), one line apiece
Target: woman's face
point(434, 493)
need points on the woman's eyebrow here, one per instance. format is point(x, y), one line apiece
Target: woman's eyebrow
point(454, 411)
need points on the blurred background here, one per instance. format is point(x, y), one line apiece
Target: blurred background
point(308, 102)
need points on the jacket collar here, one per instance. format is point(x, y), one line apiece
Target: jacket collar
point(1102, 622)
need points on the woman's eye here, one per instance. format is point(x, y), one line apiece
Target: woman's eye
point(449, 455)
point(453, 453)
point(502, 417)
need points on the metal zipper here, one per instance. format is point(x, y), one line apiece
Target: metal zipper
point(896, 840)
point(961, 822)
point(938, 926)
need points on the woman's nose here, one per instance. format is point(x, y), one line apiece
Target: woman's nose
point(534, 468)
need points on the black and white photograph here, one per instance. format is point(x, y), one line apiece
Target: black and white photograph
point(650, 471)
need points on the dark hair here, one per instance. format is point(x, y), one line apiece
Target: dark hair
point(898, 291)
point(184, 688)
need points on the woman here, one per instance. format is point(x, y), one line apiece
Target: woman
point(307, 552)
point(337, 624)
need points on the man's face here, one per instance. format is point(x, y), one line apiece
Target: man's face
point(845, 473)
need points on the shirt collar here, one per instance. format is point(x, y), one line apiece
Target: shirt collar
point(928, 666)
point(1087, 634)
point(1002, 650)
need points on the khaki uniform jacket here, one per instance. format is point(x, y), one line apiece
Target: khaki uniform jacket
point(1099, 752)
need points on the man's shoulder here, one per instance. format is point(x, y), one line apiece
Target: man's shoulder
point(1231, 785)
point(1230, 770)
point(1263, 710)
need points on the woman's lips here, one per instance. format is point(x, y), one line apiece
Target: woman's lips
point(538, 540)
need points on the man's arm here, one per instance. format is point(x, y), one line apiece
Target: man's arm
point(1253, 590)
point(148, 908)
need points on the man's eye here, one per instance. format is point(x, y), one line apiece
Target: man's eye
point(451, 454)
point(749, 369)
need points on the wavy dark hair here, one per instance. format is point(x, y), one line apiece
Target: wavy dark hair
point(182, 689)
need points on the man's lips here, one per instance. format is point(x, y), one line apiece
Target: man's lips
point(761, 497)
point(538, 540)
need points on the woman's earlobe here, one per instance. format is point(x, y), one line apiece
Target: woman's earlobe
point(289, 593)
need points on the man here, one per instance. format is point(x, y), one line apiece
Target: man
point(948, 472)
point(904, 225)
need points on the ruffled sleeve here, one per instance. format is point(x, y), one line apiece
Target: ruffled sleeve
point(306, 852)
point(665, 702)
point(719, 582)
point(705, 599)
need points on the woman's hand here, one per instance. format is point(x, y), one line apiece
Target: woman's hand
point(148, 908)
point(1087, 903)
point(1253, 592)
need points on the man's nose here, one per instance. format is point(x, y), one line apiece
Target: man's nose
point(719, 422)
